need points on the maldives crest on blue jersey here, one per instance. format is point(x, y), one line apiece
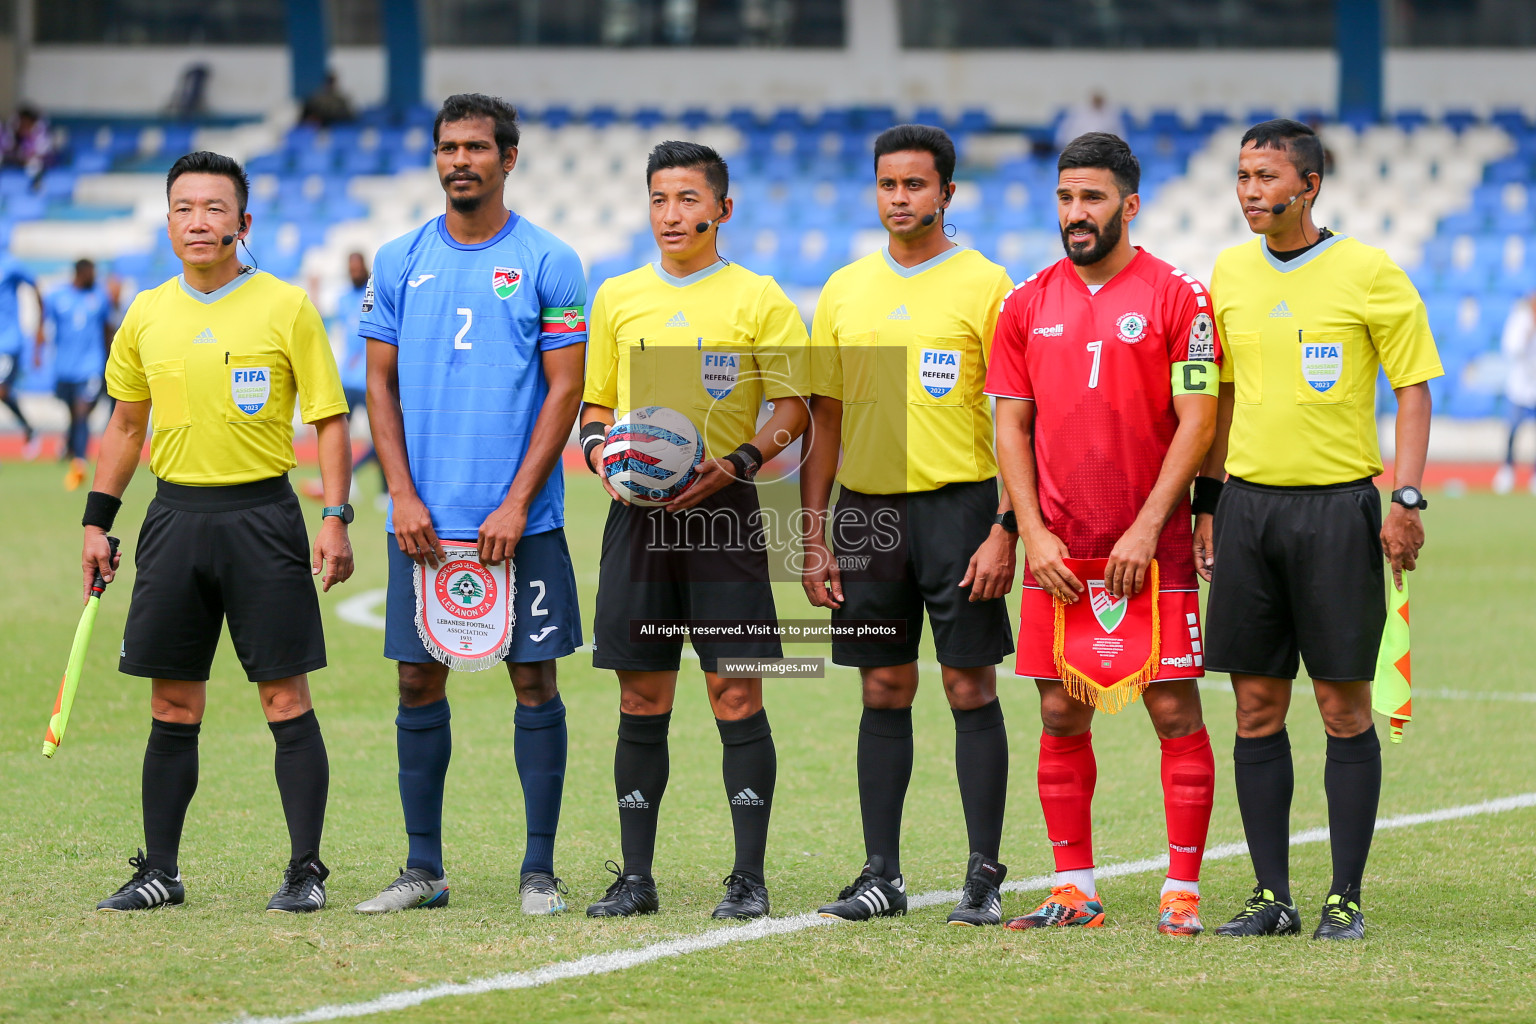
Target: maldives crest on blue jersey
point(250, 387)
point(504, 281)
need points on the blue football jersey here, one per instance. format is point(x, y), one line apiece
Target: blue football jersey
point(470, 323)
point(79, 319)
point(354, 361)
point(12, 274)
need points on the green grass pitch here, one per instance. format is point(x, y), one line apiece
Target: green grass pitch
point(1450, 905)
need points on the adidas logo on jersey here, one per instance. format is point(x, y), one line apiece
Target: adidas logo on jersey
point(1280, 310)
point(899, 313)
point(206, 338)
point(747, 798)
point(633, 802)
point(678, 320)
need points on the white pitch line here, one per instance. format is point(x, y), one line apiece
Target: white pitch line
point(361, 609)
point(622, 960)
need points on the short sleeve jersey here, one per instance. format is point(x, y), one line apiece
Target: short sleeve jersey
point(222, 372)
point(712, 345)
point(1304, 340)
point(12, 275)
point(1100, 369)
point(905, 349)
point(354, 357)
point(79, 318)
point(471, 323)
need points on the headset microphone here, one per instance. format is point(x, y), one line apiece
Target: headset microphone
point(227, 240)
point(704, 226)
point(1280, 208)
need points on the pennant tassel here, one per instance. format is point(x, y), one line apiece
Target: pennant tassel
point(1109, 698)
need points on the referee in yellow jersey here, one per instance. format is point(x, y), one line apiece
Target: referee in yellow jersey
point(1294, 554)
point(899, 347)
point(215, 359)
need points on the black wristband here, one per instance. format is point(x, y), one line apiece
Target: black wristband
point(747, 460)
point(100, 510)
point(592, 434)
point(1207, 494)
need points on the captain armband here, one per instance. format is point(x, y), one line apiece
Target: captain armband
point(1194, 378)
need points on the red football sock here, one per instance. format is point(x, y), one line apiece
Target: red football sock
point(1066, 777)
point(1189, 786)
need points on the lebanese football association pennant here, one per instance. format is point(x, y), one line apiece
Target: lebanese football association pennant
point(464, 609)
point(1392, 689)
point(1106, 648)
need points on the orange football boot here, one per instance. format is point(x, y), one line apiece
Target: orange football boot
point(1179, 913)
point(1067, 906)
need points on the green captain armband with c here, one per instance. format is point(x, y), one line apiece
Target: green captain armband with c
point(1194, 378)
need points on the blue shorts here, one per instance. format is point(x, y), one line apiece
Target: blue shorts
point(546, 614)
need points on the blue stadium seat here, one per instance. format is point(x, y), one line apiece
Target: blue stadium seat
point(1459, 121)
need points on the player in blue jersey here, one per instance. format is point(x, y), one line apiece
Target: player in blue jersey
point(354, 358)
point(476, 336)
point(81, 317)
point(12, 276)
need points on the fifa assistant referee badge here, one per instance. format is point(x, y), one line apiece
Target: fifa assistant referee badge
point(342, 512)
point(1410, 497)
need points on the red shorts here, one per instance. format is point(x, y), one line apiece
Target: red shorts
point(1178, 615)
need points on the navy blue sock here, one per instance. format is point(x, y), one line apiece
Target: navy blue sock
point(538, 744)
point(424, 743)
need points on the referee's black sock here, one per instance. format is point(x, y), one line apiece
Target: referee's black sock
point(1265, 781)
point(750, 766)
point(885, 769)
point(170, 779)
point(1352, 780)
point(640, 769)
point(303, 780)
point(981, 764)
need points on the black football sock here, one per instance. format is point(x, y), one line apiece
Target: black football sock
point(1265, 781)
point(1352, 780)
point(640, 769)
point(10, 403)
point(981, 764)
point(885, 769)
point(303, 780)
point(749, 766)
point(170, 779)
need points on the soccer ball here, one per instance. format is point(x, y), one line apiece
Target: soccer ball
point(651, 453)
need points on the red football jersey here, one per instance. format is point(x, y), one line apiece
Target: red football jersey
point(1098, 368)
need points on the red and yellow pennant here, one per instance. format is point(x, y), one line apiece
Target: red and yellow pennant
point(1107, 648)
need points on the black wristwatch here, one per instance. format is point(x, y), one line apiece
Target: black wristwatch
point(1007, 520)
point(342, 512)
point(1410, 497)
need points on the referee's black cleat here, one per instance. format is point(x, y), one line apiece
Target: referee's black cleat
point(147, 889)
point(745, 898)
point(1263, 915)
point(981, 902)
point(1342, 918)
point(870, 895)
point(628, 896)
point(303, 888)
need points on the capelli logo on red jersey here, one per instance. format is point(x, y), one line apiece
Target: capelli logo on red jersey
point(1054, 331)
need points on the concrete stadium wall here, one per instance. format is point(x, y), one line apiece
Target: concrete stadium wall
point(1018, 85)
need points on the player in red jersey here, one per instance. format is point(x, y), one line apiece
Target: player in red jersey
point(1104, 370)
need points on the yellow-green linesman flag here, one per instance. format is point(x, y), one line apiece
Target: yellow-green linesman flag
point(1392, 690)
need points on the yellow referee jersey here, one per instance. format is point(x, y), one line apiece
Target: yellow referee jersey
point(905, 349)
point(711, 345)
point(1303, 342)
point(221, 371)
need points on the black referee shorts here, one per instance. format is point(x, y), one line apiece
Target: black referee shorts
point(210, 553)
point(709, 562)
point(901, 553)
point(1298, 576)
